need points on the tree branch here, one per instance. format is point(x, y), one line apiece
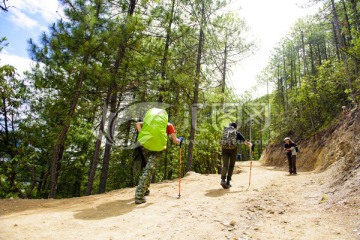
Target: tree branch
point(4, 7)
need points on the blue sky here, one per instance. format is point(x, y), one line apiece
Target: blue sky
point(269, 21)
point(25, 19)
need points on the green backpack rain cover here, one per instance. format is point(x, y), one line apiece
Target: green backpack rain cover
point(153, 131)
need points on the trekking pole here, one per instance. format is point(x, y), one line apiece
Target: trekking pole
point(250, 172)
point(250, 158)
point(181, 141)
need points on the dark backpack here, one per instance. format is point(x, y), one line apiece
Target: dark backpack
point(228, 138)
point(139, 160)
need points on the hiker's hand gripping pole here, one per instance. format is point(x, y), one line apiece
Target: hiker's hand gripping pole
point(181, 141)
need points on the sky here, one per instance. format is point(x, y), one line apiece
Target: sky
point(269, 21)
point(25, 19)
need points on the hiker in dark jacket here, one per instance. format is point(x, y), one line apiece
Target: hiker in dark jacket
point(229, 158)
point(290, 149)
point(252, 150)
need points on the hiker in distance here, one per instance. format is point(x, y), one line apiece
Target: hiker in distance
point(291, 149)
point(229, 142)
point(252, 150)
point(153, 133)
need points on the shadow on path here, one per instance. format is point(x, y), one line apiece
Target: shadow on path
point(110, 209)
point(219, 192)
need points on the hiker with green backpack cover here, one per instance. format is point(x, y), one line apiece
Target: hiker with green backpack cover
point(153, 133)
point(229, 142)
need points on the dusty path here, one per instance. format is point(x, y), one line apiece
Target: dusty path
point(275, 206)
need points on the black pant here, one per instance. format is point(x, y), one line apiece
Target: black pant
point(292, 163)
point(229, 158)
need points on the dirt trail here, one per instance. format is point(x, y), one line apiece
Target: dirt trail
point(276, 206)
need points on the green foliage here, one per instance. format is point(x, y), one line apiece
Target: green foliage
point(99, 61)
point(314, 74)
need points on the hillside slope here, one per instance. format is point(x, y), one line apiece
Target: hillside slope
point(334, 152)
point(276, 206)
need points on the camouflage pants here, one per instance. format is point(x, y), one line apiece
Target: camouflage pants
point(144, 181)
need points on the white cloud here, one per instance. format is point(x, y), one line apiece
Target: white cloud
point(21, 64)
point(48, 9)
point(24, 11)
point(22, 20)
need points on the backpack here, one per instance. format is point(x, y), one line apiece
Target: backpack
point(153, 131)
point(296, 149)
point(229, 138)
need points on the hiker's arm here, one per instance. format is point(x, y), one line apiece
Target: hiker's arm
point(293, 146)
point(247, 143)
point(174, 138)
point(287, 149)
point(241, 138)
point(138, 126)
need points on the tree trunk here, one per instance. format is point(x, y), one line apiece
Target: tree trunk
point(196, 91)
point(269, 111)
point(77, 182)
point(57, 152)
point(335, 41)
point(319, 54)
point(299, 73)
point(303, 50)
point(292, 81)
point(356, 64)
point(61, 137)
point(9, 170)
point(312, 58)
point(110, 139)
point(223, 82)
point(96, 157)
point(6, 123)
point(280, 90)
point(349, 38)
point(285, 84)
point(325, 52)
point(113, 102)
point(341, 45)
point(356, 14)
point(164, 61)
point(223, 86)
point(164, 87)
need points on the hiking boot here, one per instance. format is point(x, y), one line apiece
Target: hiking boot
point(228, 184)
point(223, 184)
point(140, 200)
point(147, 192)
